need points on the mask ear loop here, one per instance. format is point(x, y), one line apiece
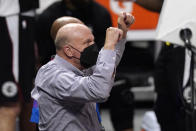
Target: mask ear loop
point(76, 50)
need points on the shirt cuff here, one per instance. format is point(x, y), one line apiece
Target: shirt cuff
point(108, 56)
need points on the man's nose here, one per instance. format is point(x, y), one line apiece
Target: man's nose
point(92, 43)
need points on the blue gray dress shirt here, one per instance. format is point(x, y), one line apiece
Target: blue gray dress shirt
point(67, 96)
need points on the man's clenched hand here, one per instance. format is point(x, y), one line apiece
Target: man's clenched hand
point(125, 20)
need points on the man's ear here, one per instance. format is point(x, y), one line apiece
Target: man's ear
point(68, 51)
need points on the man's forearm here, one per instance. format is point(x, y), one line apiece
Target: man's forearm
point(153, 5)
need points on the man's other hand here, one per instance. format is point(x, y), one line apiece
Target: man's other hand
point(125, 20)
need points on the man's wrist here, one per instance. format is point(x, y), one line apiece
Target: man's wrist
point(124, 34)
point(109, 47)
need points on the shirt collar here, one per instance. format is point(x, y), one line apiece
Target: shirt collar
point(65, 64)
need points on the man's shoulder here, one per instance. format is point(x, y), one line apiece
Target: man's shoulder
point(54, 68)
point(48, 67)
point(47, 72)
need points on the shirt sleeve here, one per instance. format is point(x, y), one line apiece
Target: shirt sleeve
point(120, 47)
point(93, 88)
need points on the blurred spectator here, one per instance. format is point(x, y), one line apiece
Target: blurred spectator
point(17, 63)
point(57, 24)
point(98, 19)
point(169, 78)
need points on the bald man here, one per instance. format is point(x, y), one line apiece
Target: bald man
point(65, 93)
point(57, 24)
